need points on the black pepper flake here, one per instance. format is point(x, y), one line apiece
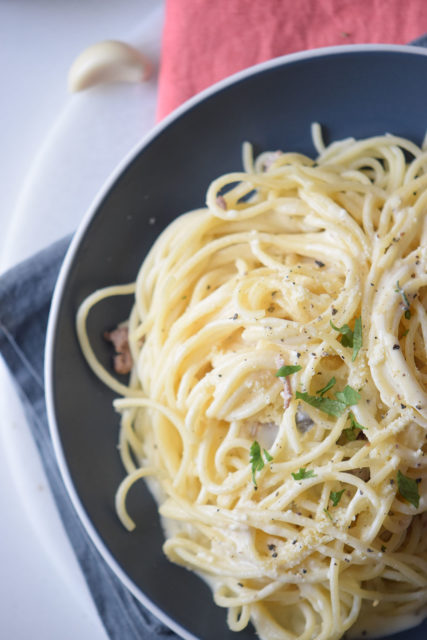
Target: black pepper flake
point(294, 541)
point(236, 315)
point(271, 547)
point(403, 406)
point(319, 263)
point(334, 311)
point(396, 346)
point(304, 570)
point(239, 584)
point(274, 555)
point(298, 355)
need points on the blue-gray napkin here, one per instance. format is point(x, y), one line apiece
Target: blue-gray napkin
point(25, 297)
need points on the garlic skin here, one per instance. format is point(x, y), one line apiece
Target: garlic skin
point(107, 62)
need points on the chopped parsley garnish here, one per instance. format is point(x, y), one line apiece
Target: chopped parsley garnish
point(348, 396)
point(256, 459)
point(327, 405)
point(346, 332)
point(344, 399)
point(408, 489)
point(357, 337)
point(352, 432)
point(302, 474)
point(335, 497)
point(287, 369)
point(328, 514)
point(406, 304)
point(327, 386)
point(351, 338)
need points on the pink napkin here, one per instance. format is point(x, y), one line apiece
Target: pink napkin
point(207, 40)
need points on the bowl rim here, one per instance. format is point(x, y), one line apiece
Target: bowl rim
point(75, 244)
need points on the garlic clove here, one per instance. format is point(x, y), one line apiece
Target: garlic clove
point(108, 61)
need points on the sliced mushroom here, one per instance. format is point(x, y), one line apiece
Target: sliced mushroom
point(122, 357)
point(303, 421)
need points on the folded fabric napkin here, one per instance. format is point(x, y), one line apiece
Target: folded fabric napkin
point(203, 41)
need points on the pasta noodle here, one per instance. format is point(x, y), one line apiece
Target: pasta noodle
point(277, 404)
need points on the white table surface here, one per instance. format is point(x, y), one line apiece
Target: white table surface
point(56, 151)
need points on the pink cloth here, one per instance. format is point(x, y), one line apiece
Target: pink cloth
point(207, 40)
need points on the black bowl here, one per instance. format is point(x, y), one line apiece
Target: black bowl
point(352, 91)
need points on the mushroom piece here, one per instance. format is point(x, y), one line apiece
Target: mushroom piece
point(122, 358)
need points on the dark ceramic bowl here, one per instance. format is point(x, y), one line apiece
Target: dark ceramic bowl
point(352, 91)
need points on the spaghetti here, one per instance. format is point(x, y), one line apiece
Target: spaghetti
point(277, 403)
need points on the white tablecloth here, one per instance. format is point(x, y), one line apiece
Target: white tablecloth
point(57, 149)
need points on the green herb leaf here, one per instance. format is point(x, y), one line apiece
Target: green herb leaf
point(357, 337)
point(408, 489)
point(352, 432)
point(355, 424)
point(335, 496)
point(267, 456)
point(327, 386)
point(346, 332)
point(351, 338)
point(328, 514)
point(348, 396)
point(256, 460)
point(287, 369)
point(344, 399)
point(302, 474)
point(327, 405)
point(406, 304)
